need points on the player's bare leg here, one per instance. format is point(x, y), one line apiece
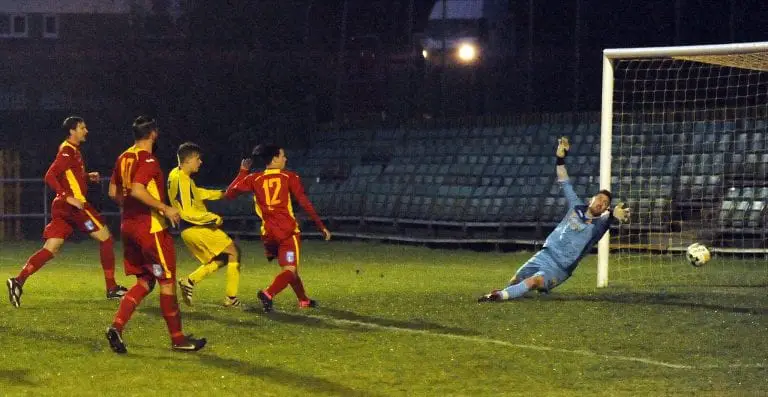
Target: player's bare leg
point(107, 256)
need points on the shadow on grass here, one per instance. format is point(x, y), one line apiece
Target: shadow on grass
point(686, 300)
point(413, 324)
point(309, 383)
point(16, 377)
point(314, 322)
point(52, 337)
point(226, 319)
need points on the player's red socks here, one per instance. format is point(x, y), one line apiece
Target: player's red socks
point(170, 308)
point(298, 288)
point(128, 304)
point(107, 254)
point(281, 281)
point(34, 263)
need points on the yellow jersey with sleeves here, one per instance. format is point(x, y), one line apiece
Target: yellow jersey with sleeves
point(189, 199)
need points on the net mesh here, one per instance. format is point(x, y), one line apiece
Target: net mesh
point(690, 156)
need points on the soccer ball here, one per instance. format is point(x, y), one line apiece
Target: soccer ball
point(697, 254)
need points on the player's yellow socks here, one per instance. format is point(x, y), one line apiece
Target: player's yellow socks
point(204, 271)
point(233, 278)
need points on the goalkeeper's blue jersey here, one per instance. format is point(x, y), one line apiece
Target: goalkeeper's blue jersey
point(577, 233)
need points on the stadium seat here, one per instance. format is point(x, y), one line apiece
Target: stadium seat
point(756, 215)
point(714, 187)
point(725, 143)
point(757, 143)
point(697, 187)
point(740, 215)
point(724, 216)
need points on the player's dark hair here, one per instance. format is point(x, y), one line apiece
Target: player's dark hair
point(187, 149)
point(71, 122)
point(265, 153)
point(607, 193)
point(143, 126)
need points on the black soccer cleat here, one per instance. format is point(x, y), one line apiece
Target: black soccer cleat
point(493, 296)
point(116, 292)
point(266, 302)
point(14, 291)
point(116, 341)
point(189, 344)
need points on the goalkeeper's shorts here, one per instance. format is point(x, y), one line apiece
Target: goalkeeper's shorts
point(205, 242)
point(541, 264)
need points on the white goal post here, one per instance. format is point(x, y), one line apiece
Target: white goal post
point(743, 56)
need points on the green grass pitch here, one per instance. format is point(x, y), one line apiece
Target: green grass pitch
point(393, 320)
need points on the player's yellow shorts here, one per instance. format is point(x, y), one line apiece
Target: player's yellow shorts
point(205, 242)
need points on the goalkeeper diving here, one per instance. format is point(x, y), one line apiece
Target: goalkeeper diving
point(200, 227)
point(581, 228)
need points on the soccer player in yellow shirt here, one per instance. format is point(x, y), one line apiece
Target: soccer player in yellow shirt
point(200, 227)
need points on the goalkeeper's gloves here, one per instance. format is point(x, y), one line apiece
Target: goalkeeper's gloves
point(562, 150)
point(621, 212)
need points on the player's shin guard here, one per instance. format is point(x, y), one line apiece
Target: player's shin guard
point(170, 308)
point(514, 291)
point(34, 263)
point(128, 305)
point(107, 255)
point(298, 289)
point(233, 278)
point(281, 281)
point(204, 271)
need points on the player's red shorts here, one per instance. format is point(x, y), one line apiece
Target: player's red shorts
point(65, 218)
point(287, 250)
point(149, 253)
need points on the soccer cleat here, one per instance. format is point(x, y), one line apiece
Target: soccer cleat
point(116, 292)
point(14, 291)
point(307, 303)
point(493, 296)
point(231, 301)
point(266, 301)
point(189, 344)
point(116, 341)
point(186, 288)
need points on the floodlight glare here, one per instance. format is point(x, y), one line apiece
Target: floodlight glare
point(467, 52)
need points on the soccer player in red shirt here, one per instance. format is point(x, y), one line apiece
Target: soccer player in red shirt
point(69, 211)
point(272, 189)
point(138, 186)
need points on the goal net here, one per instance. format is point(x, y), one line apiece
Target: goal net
point(684, 142)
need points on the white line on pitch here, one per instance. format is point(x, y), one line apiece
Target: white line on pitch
point(477, 339)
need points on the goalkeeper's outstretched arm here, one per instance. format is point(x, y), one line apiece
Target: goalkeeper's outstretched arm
point(561, 153)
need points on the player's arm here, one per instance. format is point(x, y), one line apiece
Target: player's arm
point(209, 194)
point(113, 192)
point(61, 163)
point(562, 175)
point(297, 189)
point(563, 146)
point(139, 192)
point(146, 169)
point(239, 185)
